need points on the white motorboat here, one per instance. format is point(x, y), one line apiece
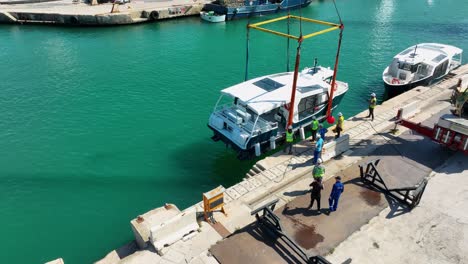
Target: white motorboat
point(251, 116)
point(422, 64)
point(211, 16)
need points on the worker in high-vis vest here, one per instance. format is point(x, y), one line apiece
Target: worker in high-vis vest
point(339, 125)
point(315, 126)
point(289, 140)
point(319, 170)
point(372, 104)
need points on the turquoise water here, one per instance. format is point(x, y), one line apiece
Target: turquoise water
point(99, 125)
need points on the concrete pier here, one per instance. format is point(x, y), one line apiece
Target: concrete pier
point(72, 13)
point(233, 238)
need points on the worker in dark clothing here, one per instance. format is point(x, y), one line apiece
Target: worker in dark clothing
point(315, 126)
point(315, 193)
point(289, 140)
point(335, 194)
point(372, 104)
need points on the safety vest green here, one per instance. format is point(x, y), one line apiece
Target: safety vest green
point(315, 125)
point(289, 137)
point(318, 171)
point(373, 102)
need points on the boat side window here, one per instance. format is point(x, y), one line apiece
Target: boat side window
point(441, 69)
point(408, 67)
point(309, 105)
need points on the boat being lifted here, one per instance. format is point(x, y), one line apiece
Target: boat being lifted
point(259, 110)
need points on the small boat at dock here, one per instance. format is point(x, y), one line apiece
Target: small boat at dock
point(211, 16)
point(234, 9)
point(422, 64)
point(252, 115)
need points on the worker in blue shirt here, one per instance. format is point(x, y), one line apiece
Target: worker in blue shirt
point(318, 148)
point(322, 131)
point(335, 194)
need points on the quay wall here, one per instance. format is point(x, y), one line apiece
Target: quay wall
point(99, 15)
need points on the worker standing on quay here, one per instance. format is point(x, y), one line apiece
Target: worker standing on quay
point(315, 193)
point(318, 149)
point(289, 140)
point(315, 127)
point(322, 131)
point(372, 104)
point(339, 125)
point(319, 170)
point(335, 194)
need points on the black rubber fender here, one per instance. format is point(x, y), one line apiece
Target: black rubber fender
point(154, 15)
point(144, 14)
point(74, 20)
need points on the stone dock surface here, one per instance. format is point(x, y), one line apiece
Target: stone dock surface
point(69, 12)
point(406, 158)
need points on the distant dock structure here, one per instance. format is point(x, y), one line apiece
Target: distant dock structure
point(78, 13)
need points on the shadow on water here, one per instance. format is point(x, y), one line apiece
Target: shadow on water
point(215, 162)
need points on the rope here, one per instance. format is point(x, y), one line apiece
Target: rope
point(337, 12)
point(247, 53)
point(287, 45)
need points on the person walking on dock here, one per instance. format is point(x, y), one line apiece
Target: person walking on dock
point(319, 170)
point(315, 193)
point(315, 127)
point(335, 194)
point(289, 140)
point(318, 149)
point(322, 131)
point(339, 125)
point(372, 104)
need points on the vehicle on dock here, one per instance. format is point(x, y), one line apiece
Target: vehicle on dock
point(452, 129)
point(246, 8)
point(213, 17)
point(256, 113)
point(422, 64)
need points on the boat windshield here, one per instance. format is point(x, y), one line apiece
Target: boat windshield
point(408, 66)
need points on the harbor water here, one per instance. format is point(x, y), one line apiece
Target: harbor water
point(99, 125)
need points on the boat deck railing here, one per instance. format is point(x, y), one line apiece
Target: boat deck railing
point(245, 120)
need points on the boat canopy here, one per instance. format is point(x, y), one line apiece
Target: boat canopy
point(430, 53)
point(266, 93)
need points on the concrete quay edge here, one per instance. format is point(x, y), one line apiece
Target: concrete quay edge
point(66, 13)
point(286, 173)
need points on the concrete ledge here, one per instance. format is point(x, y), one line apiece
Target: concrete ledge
point(174, 229)
point(141, 226)
point(335, 147)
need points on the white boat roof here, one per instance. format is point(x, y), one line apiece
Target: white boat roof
point(430, 53)
point(266, 93)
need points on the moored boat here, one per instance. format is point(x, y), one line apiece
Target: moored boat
point(247, 8)
point(255, 115)
point(422, 64)
point(211, 16)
